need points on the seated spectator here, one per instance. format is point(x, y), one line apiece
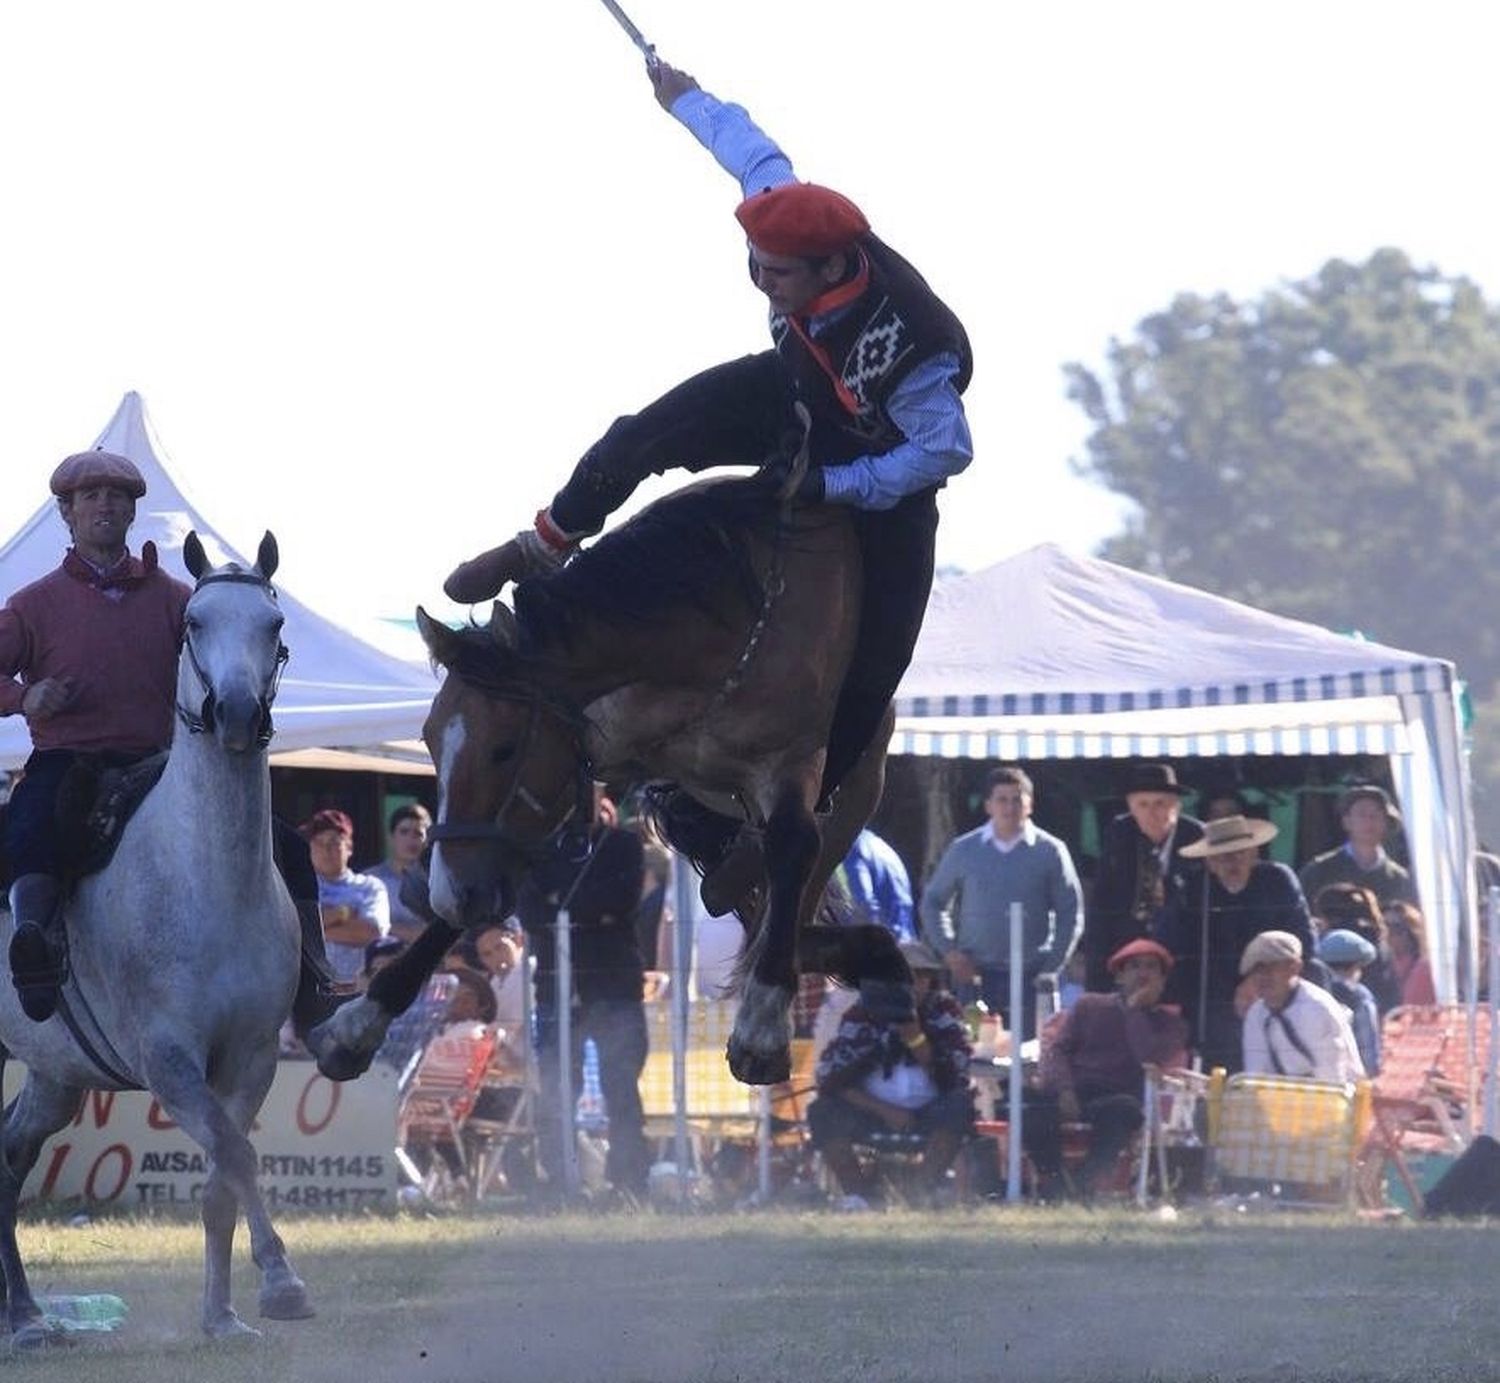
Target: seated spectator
point(1406, 935)
point(473, 1000)
point(1367, 815)
point(406, 839)
point(498, 950)
point(1355, 909)
point(1346, 953)
point(1093, 1070)
point(1245, 896)
point(1293, 1028)
point(354, 906)
point(898, 1064)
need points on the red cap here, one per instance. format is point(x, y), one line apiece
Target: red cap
point(97, 468)
point(801, 219)
point(329, 819)
point(1141, 946)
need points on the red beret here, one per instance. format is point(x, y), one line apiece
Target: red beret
point(97, 468)
point(801, 219)
point(329, 819)
point(1141, 946)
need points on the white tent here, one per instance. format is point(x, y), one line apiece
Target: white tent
point(1048, 656)
point(338, 690)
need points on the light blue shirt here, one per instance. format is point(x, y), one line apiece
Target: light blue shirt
point(925, 405)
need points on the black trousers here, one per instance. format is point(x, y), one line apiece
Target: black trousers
point(741, 413)
point(1115, 1118)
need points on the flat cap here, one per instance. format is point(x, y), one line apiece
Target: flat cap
point(1270, 948)
point(328, 819)
point(1343, 947)
point(97, 468)
point(1141, 946)
point(801, 219)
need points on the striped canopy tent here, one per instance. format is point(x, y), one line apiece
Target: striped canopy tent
point(1050, 656)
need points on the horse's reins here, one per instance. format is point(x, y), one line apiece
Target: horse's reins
point(538, 703)
point(200, 721)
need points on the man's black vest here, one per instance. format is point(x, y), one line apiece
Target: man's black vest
point(897, 322)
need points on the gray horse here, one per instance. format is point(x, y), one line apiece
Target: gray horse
point(183, 952)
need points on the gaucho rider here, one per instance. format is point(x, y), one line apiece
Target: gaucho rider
point(88, 654)
point(861, 341)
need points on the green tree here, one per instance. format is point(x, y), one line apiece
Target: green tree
point(1329, 451)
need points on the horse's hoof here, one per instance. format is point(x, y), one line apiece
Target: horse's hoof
point(229, 1326)
point(287, 1301)
point(759, 1068)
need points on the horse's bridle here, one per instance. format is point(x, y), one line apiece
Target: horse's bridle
point(200, 721)
point(538, 703)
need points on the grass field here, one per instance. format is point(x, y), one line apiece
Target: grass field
point(988, 1294)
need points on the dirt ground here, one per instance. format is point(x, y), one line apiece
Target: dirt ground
point(989, 1294)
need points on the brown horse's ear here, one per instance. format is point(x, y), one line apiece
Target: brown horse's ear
point(194, 558)
point(503, 627)
point(441, 641)
point(269, 556)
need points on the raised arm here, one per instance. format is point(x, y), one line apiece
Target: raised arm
point(741, 147)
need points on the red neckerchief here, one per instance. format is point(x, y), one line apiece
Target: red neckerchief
point(840, 296)
point(127, 572)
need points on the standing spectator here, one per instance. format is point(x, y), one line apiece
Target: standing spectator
point(966, 904)
point(1094, 1068)
point(878, 885)
point(1142, 886)
point(1355, 908)
point(1345, 954)
point(898, 1063)
point(602, 892)
point(354, 906)
point(1406, 934)
point(1244, 896)
point(1367, 815)
point(405, 841)
point(1294, 1028)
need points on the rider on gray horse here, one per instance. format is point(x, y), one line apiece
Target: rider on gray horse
point(862, 342)
point(88, 654)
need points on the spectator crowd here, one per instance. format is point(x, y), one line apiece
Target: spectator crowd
point(1184, 942)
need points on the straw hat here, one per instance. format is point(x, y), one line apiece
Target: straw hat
point(1228, 834)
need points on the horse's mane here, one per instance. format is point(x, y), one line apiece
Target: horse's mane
point(692, 550)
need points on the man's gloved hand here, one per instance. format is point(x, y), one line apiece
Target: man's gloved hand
point(669, 82)
point(791, 481)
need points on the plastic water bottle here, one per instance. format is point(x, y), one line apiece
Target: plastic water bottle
point(96, 1311)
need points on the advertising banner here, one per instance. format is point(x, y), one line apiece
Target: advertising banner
point(321, 1145)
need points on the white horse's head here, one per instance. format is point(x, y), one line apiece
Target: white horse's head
point(232, 653)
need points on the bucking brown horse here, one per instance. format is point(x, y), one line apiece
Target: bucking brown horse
point(702, 644)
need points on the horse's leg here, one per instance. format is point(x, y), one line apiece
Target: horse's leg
point(180, 1085)
point(760, 1047)
point(864, 952)
point(345, 1043)
point(42, 1107)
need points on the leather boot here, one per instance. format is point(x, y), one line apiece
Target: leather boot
point(537, 551)
point(315, 1001)
point(38, 961)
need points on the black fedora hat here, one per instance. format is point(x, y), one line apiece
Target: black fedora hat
point(1154, 778)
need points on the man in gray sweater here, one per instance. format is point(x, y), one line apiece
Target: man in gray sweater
point(965, 907)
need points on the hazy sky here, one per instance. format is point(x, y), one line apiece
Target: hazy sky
point(382, 272)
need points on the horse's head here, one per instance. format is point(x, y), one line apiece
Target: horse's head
point(232, 654)
point(512, 768)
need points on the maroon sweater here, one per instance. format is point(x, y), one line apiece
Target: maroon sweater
point(1103, 1045)
point(116, 636)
